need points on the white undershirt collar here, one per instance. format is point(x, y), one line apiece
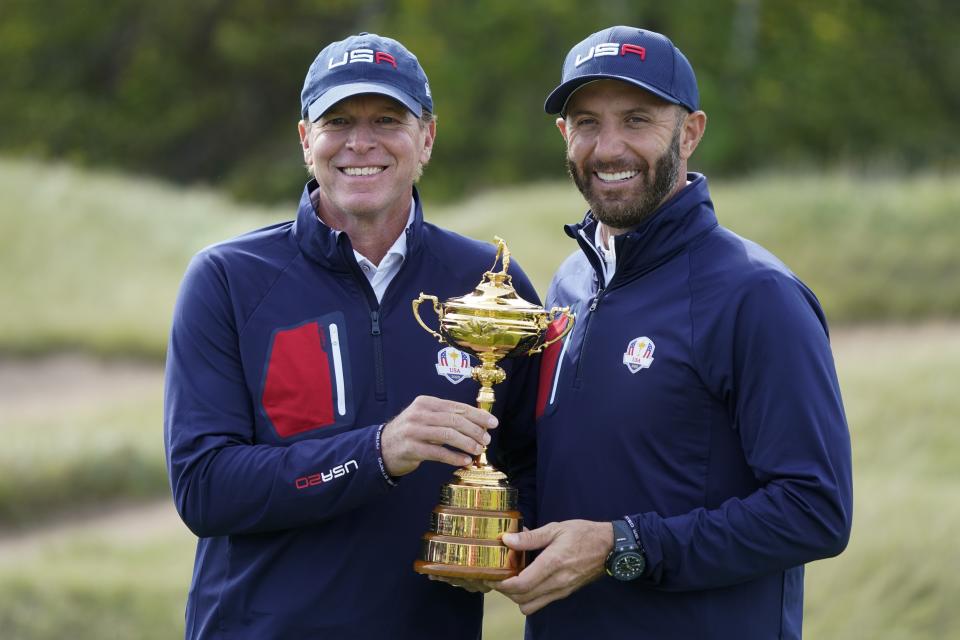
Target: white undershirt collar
point(608, 254)
point(381, 275)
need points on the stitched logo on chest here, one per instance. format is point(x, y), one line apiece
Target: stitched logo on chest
point(639, 354)
point(453, 364)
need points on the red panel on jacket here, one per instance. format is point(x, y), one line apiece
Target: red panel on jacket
point(297, 395)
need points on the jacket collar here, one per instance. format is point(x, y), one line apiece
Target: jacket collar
point(668, 231)
point(329, 247)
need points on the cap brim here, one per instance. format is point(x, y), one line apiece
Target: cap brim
point(326, 100)
point(556, 102)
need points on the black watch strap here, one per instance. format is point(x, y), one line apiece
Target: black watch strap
point(627, 560)
point(623, 538)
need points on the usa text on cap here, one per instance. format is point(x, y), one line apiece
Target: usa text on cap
point(643, 58)
point(364, 63)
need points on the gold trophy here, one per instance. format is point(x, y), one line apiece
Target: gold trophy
point(478, 505)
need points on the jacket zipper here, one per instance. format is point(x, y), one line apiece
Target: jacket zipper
point(594, 259)
point(379, 374)
point(380, 387)
point(586, 332)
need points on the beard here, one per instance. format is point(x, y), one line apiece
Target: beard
point(629, 209)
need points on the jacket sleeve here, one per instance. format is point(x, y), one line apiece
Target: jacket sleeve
point(513, 447)
point(223, 481)
point(767, 356)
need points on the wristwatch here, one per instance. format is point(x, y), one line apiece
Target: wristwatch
point(626, 561)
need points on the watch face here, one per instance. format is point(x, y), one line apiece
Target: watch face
point(628, 566)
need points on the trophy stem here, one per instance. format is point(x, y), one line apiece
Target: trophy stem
point(480, 460)
point(487, 374)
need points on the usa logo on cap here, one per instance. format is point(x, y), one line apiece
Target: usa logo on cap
point(639, 354)
point(453, 364)
point(640, 57)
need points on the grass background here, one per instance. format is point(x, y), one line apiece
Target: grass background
point(91, 262)
point(69, 459)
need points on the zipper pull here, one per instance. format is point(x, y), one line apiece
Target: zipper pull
point(596, 300)
point(374, 323)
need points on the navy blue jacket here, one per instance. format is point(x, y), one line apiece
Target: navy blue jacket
point(281, 370)
point(697, 397)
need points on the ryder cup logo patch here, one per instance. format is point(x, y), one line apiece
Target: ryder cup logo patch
point(453, 364)
point(639, 354)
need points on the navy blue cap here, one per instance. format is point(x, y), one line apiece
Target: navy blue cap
point(364, 63)
point(643, 58)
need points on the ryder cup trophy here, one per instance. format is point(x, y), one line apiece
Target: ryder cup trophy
point(478, 505)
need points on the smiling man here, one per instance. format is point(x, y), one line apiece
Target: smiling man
point(309, 421)
point(693, 451)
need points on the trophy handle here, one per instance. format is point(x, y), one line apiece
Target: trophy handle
point(551, 316)
point(436, 309)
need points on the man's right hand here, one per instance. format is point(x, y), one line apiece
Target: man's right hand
point(420, 432)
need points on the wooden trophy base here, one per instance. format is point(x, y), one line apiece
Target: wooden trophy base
point(465, 573)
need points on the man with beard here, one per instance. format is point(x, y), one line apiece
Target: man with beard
point(693, 451)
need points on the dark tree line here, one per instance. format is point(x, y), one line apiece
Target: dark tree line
point(208, 90)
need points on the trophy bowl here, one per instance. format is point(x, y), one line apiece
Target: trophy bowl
point(478, 505)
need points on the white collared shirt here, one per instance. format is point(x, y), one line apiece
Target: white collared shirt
point(381, 275)
point(608, 254)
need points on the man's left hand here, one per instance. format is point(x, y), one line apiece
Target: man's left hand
point(574, 552)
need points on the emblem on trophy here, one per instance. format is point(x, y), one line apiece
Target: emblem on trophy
point(478, 505)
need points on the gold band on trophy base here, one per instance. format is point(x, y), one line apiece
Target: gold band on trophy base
point(477, 560)
point(467, 524)
point(478, 506)
point(484, 498)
